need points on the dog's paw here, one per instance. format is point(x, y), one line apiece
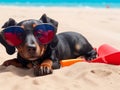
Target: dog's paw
point(6, 63)
point(12, 62)
point(42, 70)
point(91, 55)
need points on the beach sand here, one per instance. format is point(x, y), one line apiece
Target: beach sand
point(99, 26)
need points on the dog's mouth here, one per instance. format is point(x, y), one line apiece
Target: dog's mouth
point(33, 58)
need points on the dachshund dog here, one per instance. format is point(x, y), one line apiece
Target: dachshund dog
point(39, 47)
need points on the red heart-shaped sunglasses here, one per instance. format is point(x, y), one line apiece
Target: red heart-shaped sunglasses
point(15, 35)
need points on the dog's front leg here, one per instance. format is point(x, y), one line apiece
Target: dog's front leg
point(44, 68)
point(13, 62)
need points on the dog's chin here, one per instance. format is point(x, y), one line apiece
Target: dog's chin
point(32, 59)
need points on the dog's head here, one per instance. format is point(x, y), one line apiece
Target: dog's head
point(30, 37)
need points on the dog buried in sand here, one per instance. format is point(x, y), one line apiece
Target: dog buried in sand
point(39, 47)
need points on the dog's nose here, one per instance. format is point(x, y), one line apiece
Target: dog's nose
point(31, 49)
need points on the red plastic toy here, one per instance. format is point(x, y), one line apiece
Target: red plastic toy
point(106, 54)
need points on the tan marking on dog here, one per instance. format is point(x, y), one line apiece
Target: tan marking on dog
point(34, 25)
point(22, 27)
point(77, 47)
point(47, 63)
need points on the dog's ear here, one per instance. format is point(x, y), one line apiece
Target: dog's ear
point(9, 49)
point(10, 22)
point(46, 19)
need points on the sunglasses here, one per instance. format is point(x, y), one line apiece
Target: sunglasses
point(15, 35)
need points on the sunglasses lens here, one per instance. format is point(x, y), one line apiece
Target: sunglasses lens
point(13, 35)
point(44, 33)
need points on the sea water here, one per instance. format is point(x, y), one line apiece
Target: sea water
point(63, 3)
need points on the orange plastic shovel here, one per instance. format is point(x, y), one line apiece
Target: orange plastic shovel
point(69, 62)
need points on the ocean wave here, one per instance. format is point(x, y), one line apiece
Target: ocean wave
point(62, 4)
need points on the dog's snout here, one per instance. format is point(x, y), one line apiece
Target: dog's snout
point(31, 42)
point(31, 46)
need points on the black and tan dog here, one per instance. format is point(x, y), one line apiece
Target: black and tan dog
point(43, 56)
